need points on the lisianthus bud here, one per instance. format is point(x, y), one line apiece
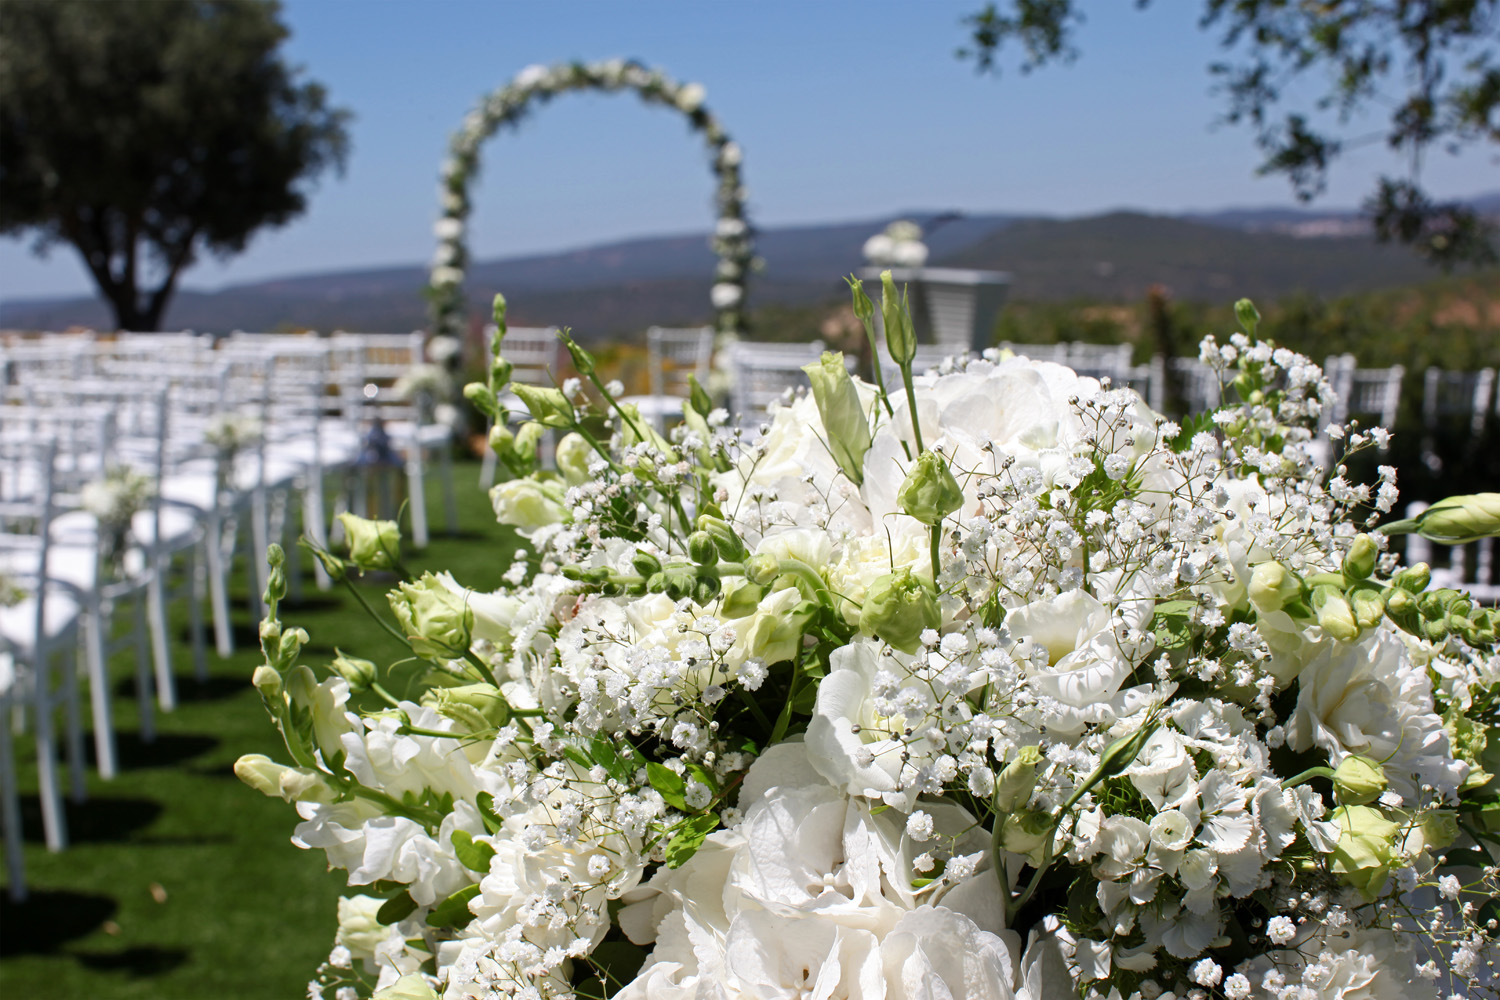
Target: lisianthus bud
point(437, 622)
point(864, 309)
point(900, 338)
point(1018, 780)
point(843, 415)
point(897, 608)
point(372, 544)
point(1273, 587)
point(1358, 780)
point(583, 361)
point(731, 546)
point(360, 930)
point(1364, 852)
point(410, 987)
point(1359, 563)
point(1334, 614)
point(573, 454)
point(1248, 315)
point(698, 396)
point(359, 673)
point(546, 405)
point(1026, 832)
point(1462, 519)
point(526, 503)
point(267, 681)
point(929, 493)
point(762, 569)
point(478, 707)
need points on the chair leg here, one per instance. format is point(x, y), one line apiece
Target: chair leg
point(54, 819)
point(73, 725)
point(417, 497)
point(196, 585)
point(260, 539)
point(144, 695)
point(106, 757)
point(487, 466)
point(218, 586)
point(450, 492)
point(161, 652)
point(10, 811)
point(314, 527)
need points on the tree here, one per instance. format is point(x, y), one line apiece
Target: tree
point(145, 133)
point(1433, 63)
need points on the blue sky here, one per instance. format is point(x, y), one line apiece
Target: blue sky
point(845, 110)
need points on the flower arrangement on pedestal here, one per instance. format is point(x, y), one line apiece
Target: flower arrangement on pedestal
point(733, 239)
point(992, 684)
point(114, 499)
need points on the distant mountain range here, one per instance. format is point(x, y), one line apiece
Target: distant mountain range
point(620, 288)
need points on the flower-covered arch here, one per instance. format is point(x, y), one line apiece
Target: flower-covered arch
point(732, 241)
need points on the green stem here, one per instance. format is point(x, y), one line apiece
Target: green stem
point(391, 629)
point(426, 817)
point(785, 718)
point(1308, 775)
point(911, 404)
point(385, 695)
point(807, 575)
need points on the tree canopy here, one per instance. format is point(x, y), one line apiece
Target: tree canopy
point(146, 133)
point(1433, 65)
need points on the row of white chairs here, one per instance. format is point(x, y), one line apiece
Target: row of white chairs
point(75, 406)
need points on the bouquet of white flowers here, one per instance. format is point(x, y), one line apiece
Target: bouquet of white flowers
point(994, 685)
point(114, 500)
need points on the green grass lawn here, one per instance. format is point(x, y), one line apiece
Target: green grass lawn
point(180, 882)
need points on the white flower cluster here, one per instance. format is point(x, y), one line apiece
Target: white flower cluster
point(900, 245)
point(733, 239)
point(1001, 686)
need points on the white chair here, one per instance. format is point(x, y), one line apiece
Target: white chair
point(764, 373)
point(35, 633)
point(673, 354)
point(1363, 392)
point(1449, 394)
point(535, 353)
point(1198, 384)
point(1469, 567)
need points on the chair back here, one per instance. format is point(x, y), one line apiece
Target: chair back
point(766, 373)
point(534, 351)
point(676, 353)
point(1469, 567)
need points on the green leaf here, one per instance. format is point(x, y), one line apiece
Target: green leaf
point(1172, 624)
point(1465, 858)
point(607, 757)
point(689, 838)
point(396, 909)
point(704, 777)
point(486, 803)
point(669, 783)
point(454, 911)
point(472, 854)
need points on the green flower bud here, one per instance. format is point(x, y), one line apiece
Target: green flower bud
point(1018, 780)
point(500, 373)
point(372, 544)
point(1435, 629)
point(1122, 752)
point(706, 589)
point(573, 456)
point(843, 415)
point(437, 622)
point(762, 569)
point(359, 673)
point(900, 337)
point(583, 361)
point(267, 681)
point(293, 784)
point(477, 707)
point(864, 309)
point(291, 643)
point(546, 405)
point(1414, 578)
point(411, 987)
point(1333, 613)
point(335, 567)
point(1401, 606)
point(1359, 563)
point(1358, 781)
point(1026, 833)
point(1462, 519)
point(1368, 605)
point(482, 398)
point(1248, 315)
point(498, 311)
point(701, 548)
point(645, 563)
point(698, 396)
point(730, 545)
point(1365, 850)
point(1439, 828)
point(897, 608)
point(1273, 587)
point(676, 580)
point(929, 492)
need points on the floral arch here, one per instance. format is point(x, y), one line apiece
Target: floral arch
point(733, 238)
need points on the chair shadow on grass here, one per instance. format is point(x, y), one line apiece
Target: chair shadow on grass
point(98, 820)
point(138, 962)
point(167, 750)
point(50, 918)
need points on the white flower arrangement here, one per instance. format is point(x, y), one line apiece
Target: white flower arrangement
point(733, 239)
point(994, 684)
point(231, 431)
point(900, 245)
point(114, 501)
point(431, 380)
